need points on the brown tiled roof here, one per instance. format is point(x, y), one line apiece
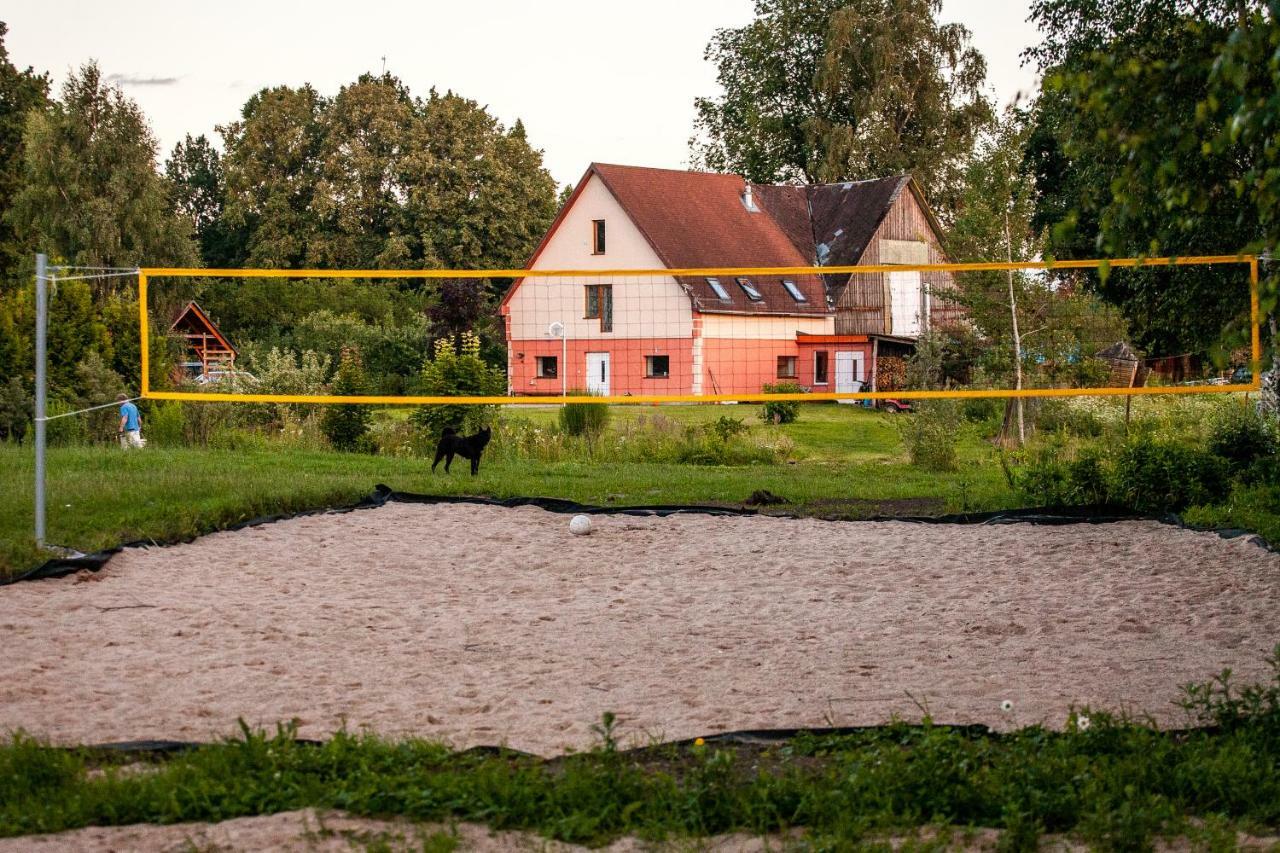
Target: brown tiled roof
point(698, 220)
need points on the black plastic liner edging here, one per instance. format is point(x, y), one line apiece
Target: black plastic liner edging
point(160, 749)
point(382, 494)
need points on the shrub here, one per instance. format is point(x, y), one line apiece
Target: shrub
point(166, 424)
point(1242, 437)
point(347, 425)
point(287, 372)
point(1042, 481)
point(457, 373)
point(15, 410)
point(1160, 475)
point(583, 419)
point(1087, 479)
point(726, 427)
point(931, 435)
point(781, 411)
point(64, 432)
point(1062, 416)
point(982, 409)
point(1051, 478)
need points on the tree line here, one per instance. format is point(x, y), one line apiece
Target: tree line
point(1153, 132)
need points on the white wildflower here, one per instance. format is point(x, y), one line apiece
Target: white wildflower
point(1082, 723)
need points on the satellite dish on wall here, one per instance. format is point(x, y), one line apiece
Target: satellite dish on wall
point(556, 329)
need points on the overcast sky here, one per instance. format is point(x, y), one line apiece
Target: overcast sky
point(592, 79)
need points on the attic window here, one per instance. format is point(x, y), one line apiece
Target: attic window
point(718, 288)
point(749, 289)
point(793, 290)
point(597, 236)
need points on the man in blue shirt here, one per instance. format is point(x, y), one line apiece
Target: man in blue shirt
point(130, 424)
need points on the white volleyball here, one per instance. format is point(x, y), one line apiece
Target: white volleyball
point(579, 525)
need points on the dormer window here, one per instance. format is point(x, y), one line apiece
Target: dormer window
point(597, 236)
point(719, 289)
point(749, 289)
point(793, 290)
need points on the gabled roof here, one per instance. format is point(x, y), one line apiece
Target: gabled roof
point(192, 319)
point(699, 220)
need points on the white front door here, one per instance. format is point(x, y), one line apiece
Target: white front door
point(849, 375)
point(906, 304)
point(598, 373)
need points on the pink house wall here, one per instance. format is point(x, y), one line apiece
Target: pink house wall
point(626, 365)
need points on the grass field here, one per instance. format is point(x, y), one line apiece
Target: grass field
point(1113, 784)
point(851, 464)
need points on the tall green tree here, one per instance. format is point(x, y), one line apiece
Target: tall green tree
point(21, 91)
point(91, 194)
point(199, 190)
point(368, 131)
point(833, 90)
point(378, 178)
point(272, 165)
point(1141, 147)
point(479, 195)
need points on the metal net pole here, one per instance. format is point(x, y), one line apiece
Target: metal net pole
point(42, 323)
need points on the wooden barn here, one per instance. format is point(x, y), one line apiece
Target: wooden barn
point(208, 350)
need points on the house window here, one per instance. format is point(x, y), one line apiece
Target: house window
point(600, 305)
point(657, 366)
point(786, 367)
point(597, 236)
point(546, 367)
point(749, 289)
point(793, 290)
point(718, 288)
point(820, 367)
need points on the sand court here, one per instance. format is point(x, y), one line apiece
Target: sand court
point(485, 625)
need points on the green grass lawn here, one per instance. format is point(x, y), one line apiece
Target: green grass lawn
point(851, 464)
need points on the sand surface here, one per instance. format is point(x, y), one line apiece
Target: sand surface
point(484, 625)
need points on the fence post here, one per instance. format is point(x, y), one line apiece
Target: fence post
point(42, 324)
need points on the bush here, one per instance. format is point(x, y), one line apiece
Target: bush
point(1242, 437)
point(68, 431)
point(579, 419)
point(457, 373)
point(1156, 475)
point(931, 435)
point(1051, 478)
point(346, 426)
point(1061, 416)
point(782, 411)
point(166, 424)
point(15, 410)
point(982, 409)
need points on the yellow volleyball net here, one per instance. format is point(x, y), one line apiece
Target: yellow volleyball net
point(856, 333)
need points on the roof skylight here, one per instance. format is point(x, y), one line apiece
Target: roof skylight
point(718, 288)
point(749, 289)
point(793, 290)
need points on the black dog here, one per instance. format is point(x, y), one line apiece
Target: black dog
point(466, 446)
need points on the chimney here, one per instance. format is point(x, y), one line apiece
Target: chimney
point(748, 200)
